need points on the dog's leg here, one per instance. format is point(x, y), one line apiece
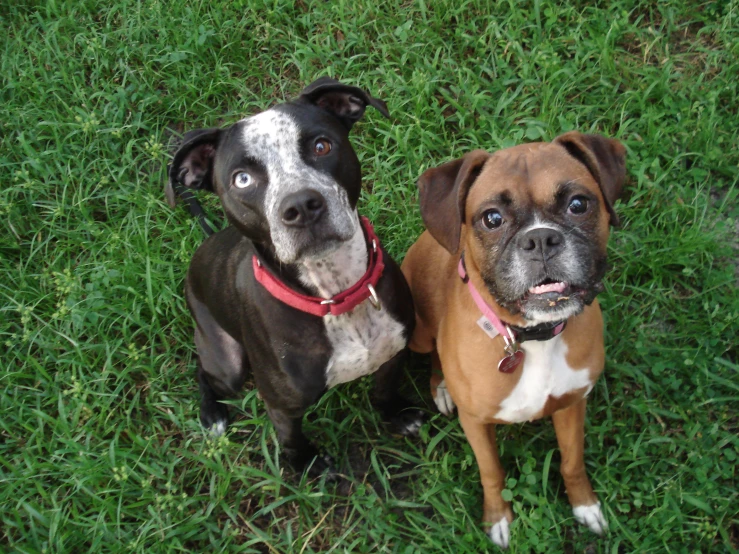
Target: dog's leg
point(222, 366)
point(439, 392)
point(496, 512)
point(296, 448)
point(569, 425)
point(213, 414)
point(393, 407)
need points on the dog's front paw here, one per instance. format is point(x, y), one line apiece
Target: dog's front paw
point(408, 422)
point(215, 419)
point(402, 418)
point(218, 428)
point(500, 533)
point(309, 461)
point(322, 465)
point(443, 399)
point(592, 516)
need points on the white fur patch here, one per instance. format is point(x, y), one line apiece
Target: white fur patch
point(273, 137)
point(218, 428)
point(364, 338)
point(443, 399)
point(592, 516)
point(340, 269)
point(500, 533)
point(545, 373)
point(539, 224)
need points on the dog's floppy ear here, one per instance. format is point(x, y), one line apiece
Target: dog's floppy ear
point(605, 158)
point(192, 165)
point(345, 102)
point(443, 194)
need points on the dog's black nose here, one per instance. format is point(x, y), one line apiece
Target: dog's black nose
point(543, 241)
point(302, 208)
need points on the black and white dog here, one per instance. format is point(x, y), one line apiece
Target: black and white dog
point(297, 291)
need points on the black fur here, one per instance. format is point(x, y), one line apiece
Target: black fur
point(241, 330)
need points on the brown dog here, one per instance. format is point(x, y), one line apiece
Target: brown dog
point(519, 238)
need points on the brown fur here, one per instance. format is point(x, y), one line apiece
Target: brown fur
point(446, 314)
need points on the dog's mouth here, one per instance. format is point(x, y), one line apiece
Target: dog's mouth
point(316, 241)
point(551, 293)
point(320, 248)
point(549, 286)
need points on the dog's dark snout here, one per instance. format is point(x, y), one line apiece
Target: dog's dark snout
point(302, 208)
point(543, 241)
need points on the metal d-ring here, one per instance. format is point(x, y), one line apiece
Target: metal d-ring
point(373, 298)
point(329, 301)
point(511, 346)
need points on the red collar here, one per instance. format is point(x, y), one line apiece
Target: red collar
point(521, 334)
point(342, 302)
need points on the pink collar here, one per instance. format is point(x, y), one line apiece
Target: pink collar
point(342, 302)
point(509, 335)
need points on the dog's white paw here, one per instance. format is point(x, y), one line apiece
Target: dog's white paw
point(592, 516)
point(408, 422)
point(218, 428)
point(443, 399)
point(500, 534)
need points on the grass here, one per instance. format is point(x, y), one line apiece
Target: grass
point(100, 447)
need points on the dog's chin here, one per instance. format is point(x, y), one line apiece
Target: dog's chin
point(540, 310)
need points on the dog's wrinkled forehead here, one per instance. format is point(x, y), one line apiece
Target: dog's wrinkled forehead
point(272, 138)
point(529, 174)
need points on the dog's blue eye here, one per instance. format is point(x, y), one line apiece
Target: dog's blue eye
point(243, 180)
point(492, 219)
point(578, 205)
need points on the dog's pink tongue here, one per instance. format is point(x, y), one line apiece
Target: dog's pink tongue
point(550, 287)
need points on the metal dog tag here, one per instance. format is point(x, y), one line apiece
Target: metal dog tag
point(511, 362)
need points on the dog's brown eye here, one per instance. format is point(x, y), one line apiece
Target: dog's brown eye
point(322, 147)
point(578, 205)
point(492, 219)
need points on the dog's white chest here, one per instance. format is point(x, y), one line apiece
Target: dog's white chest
point(364, 338)
point(362, 341)
point(545, 373)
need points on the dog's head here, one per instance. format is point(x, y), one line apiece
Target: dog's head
point(287, 177)
point(533, 220)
